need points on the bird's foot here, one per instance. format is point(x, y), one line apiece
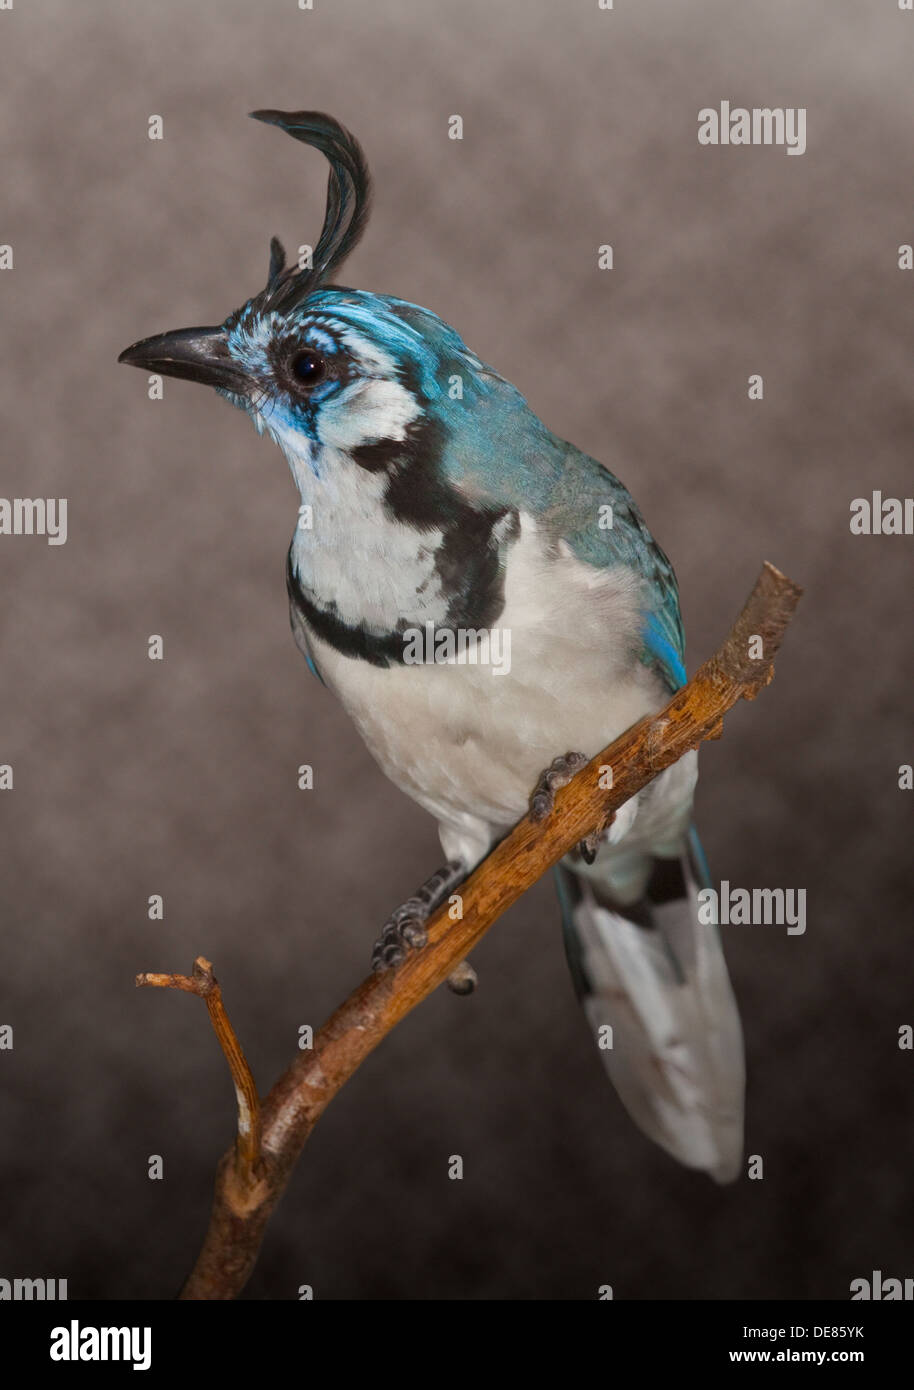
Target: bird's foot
point(542, 803)
point(558, 774)
point(587, 848)
point(405, 929)
point(463, 978)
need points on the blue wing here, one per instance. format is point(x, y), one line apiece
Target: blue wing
point(660, 651)
point(629, 542)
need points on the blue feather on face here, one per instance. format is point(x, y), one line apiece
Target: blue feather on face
point(440, 502)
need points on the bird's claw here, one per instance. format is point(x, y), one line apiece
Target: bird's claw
point(404, 931)
point(558, 774)
point(462, 979)
point(587, 848)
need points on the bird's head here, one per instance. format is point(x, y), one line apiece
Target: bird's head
point(329, 371)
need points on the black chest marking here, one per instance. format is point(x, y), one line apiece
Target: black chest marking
point(469, 564)
point(468, 561)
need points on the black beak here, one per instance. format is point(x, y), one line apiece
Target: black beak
point(197, 354)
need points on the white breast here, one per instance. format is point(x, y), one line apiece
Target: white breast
point(468, 744)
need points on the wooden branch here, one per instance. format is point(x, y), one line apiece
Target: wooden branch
point(246, 1193)
point(204, 983)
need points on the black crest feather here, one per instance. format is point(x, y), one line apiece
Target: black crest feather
point(348, 199)
point(277, 261)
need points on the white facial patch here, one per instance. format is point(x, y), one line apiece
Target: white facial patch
point(365, 411)
point(372, 359)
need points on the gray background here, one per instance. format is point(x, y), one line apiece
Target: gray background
point(178, 778)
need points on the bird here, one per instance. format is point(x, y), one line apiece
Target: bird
point(438, 514)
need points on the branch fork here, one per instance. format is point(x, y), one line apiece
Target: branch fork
point(203, 982)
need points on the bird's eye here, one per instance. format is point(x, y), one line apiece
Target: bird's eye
point(309, 368)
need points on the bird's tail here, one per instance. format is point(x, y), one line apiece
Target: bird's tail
point(653, 982)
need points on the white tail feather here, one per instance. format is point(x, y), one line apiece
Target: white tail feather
point(677, 1048)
